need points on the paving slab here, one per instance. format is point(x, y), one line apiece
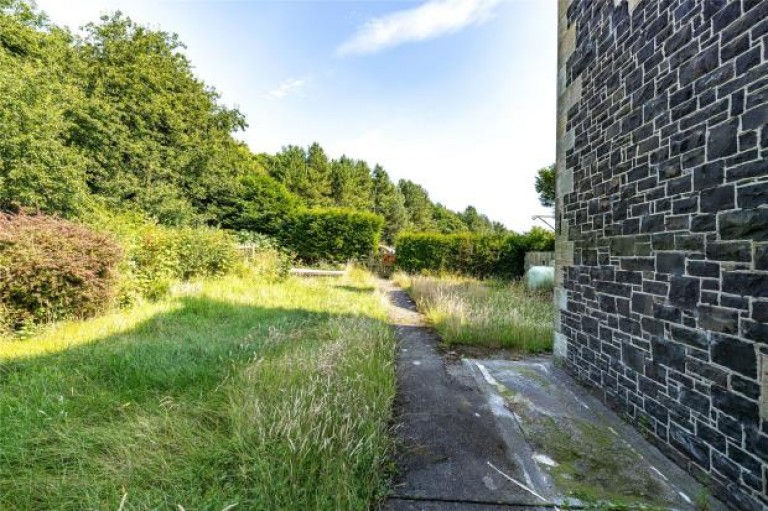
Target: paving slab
point(583, 450)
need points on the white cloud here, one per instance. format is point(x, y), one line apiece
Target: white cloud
point(427, 21)
point(290, 86)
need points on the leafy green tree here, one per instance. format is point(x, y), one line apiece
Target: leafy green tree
point(318, 189)
point(417, 205)
point(389, 203)
point(154, 134)
point(307, 173)
point(39, 169)
point(447, 221)
point(260, 204)
point(545, 185)
point(351, 184)
point(476, 222)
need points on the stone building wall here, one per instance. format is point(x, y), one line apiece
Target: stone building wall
point(662, 225)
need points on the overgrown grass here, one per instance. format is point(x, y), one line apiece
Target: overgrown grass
point(264, 395)
point(487, 314)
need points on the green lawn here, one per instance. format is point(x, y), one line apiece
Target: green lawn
point(268, 396)
point(488, 314)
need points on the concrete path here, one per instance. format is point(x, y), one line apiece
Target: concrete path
point(484, 435)
point(447, 432)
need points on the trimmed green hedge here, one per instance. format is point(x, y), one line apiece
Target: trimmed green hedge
point(476, 255)
point(331, 235)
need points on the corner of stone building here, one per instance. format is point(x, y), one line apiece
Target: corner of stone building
point(568, 94)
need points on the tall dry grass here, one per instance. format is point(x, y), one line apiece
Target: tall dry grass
point(487, 314)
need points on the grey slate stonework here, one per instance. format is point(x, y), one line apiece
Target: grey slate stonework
point(662, 226)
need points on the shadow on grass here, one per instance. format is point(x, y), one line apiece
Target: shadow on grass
point(72, 422)
point(193, 346)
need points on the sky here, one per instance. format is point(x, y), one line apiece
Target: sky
point(456, 95)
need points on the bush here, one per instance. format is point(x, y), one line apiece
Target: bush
point(477, 255)
point(332, 235)
point(156, 256)
point(51, 269)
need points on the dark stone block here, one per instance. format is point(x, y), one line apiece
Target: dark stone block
point(684, 291)
point(652, 223)
point(703, 63)
point(746, 62)
point(746, 284)
point(668, 353)
point(717, 199)
point(695, 401)
point(726, 16)
point(633, 357)
point(656, 410)
point(740, 408)
point(723, 140)
point(729, 251)
point(755, 331)
point(734, 354)
point(655, 288)
point(734, 48)
point(760, 312)
point(707, 371)
point(623, 246)
point(755, 118)
point(703, 269)
point(753, 196)
point(652, 326)
point(670, 262)
point(757, 444)
point(663, 241)
point(729, 426)
point(687, 205)
point(761, 257)
point(690, 445)
point(748, 170)
point(744, 225)
point(696, 338)
point(642, 303)
point(667, 313)
point(703, 223)
point(639, 264)
point(744, 386)
point(726, 467)
point(734, 302)
point(708, 176)
point(743, 458)
point(718, 319)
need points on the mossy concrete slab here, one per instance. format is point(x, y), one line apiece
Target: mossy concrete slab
point(576, 450)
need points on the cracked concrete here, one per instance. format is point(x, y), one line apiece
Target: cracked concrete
point(499, 435)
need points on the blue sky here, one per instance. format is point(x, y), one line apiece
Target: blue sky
point(457, 95)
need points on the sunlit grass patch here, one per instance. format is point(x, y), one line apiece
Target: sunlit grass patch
point(271, 396)
point(487, 314)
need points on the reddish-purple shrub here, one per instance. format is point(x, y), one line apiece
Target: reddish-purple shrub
point(51, 269)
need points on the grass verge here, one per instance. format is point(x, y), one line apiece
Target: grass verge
point(485, 314)
point(264, 395)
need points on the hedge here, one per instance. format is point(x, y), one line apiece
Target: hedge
point(477, 255)
point(52, 269)
point(331, 235)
